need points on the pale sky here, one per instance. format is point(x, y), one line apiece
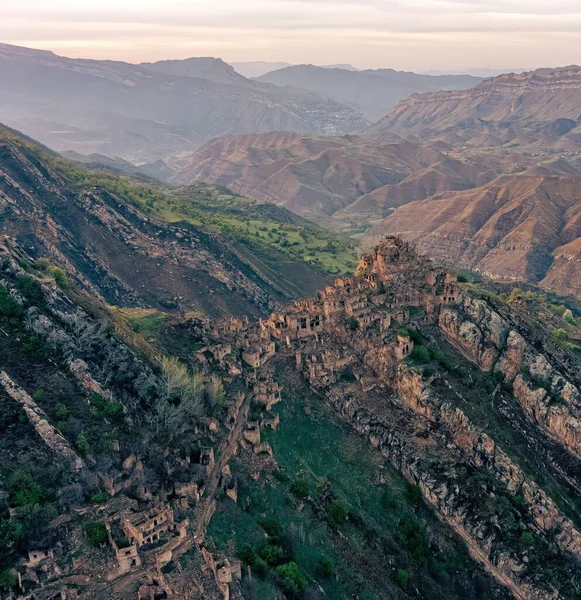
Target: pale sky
point(403, 34)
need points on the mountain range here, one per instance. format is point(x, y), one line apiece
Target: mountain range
point(146, 112)
point(537, 110)
point(371, 92)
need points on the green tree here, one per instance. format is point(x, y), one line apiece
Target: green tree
point(292, 577)
point(402, 578)
point(337, 512)
point(421, 354)
point(96, 533)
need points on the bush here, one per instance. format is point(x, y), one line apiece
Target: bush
point(421, 354)
point(416, 336)
point(271, 526)
point(106, 408)
point(300, 489)
point(272, 554)
point(100, 498)
point(403, 332)
point(337, 512)
point(414, 494)
point(527, 539)
point(8, 306)
point(353, 324)
point(82, 444)
point(30, 288)
point(401, 578)
point(25, 490)
point(560, 335)
point(388, 500)
point(7, 581)
point(327, 566)
point(60, 277)
point(61, 411)
point(428, 372)
point(292, 577)
point(96, 533)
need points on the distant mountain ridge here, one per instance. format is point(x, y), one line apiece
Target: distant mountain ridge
point(372, 92)
point(535, 108)
point(146, 112)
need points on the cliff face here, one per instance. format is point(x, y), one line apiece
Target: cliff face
point(543, 103)
point(453, 430)
point(546, 389)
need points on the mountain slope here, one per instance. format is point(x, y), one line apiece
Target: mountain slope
point(143, 113)
point(372, 92)
point(521, 227)
point(534, 108)
point(90, 222)
point(326, 178)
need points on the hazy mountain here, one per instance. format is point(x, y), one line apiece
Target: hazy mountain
point(372, 92)
point(257, 68)
point(476, 72)
point(345, 66)
point(145, 113)
point(540, 108)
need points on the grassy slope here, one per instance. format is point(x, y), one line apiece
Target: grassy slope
point(369, 549)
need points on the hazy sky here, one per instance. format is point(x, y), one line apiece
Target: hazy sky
point(404, 34)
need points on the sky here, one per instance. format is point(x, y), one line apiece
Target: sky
point(419, 35)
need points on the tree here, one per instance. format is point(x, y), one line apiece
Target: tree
point(300, 489)
point(292, 577)
point(401, 578)
point(421, 354)
point(96, 533)
point(337, 512)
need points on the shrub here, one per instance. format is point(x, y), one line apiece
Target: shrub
point(61, 411)
point(292, 577)
point(327, 566)
point(272, 554)
point(300, 489)
point(403, 332)
point(353, 324)
point(416, 336)
point(30, 288)
point(100, 498)
point(82, 444)
point(388, 500)
point(271, 526)
point(8, 306)
point(38, 396)
point(428, 372)
point(106, 408)
point(421, 354)
point(7, 581)
point(401, 578)
point(25, 490)
point(337, 512)
point(96, 533)
point(60, 277)
point(560, 335)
